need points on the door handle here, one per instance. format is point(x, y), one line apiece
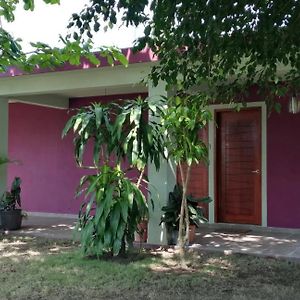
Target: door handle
point(256, 171)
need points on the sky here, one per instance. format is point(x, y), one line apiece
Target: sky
point(46, 22)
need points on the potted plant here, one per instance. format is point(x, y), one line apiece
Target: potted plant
point(10, 207)
point(171, 214)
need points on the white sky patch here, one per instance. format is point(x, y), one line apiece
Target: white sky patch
point(47, 22)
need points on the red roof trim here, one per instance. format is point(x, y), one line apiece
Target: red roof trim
point(145, 55)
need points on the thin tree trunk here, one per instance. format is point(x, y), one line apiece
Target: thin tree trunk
point(140, 178)
point(184, 215)
point(187, 219)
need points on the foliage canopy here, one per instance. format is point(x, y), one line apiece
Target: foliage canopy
point(43, 55)
point(224, 44)
point(133, 133)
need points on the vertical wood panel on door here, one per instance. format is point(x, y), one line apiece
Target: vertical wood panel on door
point(238, 166)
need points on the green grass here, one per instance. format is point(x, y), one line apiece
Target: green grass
point(44, 269)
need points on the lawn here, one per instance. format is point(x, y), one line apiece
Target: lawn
point(45, 269)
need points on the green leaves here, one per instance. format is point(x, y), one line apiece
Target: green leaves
point(140, 139)
point(121, 58)
point(10, 50)
point(140, 131)
point(91, 123)
point(224, 47)
point(171, 212)
point(183, 118)
point(113, 208)
point(122, 130)
point(9, 200)
point(7, 8)
point(45, 56)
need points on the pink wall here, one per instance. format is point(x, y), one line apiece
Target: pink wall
point(50, 175)
point(283, 168)
point(283, 165)
point(48, 169)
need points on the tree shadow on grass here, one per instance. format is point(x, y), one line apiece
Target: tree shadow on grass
point(27, 247)
point(134, 255)
point(149, 274)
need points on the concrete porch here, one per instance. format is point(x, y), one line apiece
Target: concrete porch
point(61, 228)
point(223, 238)
point(272, 242)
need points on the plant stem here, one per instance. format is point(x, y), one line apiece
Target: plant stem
point(183, 235)
point(140, 178)
point(187, 219)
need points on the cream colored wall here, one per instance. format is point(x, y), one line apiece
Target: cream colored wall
point(54, 101)
point(63, 82)
point(161, 183)
point(3, 142)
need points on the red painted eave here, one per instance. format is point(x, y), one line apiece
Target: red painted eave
point(143, 56)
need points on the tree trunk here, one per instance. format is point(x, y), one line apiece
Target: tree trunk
point(187, 218)
point(183, 236)
point(123, 247)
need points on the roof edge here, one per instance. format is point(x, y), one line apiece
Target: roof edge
point(143, 56)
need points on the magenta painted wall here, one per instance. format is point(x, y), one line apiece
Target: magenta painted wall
point(283, 168)
point(48, 169)
point(50, 175)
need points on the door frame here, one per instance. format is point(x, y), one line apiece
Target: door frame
point(212, 157)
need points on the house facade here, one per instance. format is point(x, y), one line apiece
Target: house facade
point(254, 170)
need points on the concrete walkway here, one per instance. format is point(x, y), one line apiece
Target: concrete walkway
point(225, 238)
point(267, 242)
point(47, 227)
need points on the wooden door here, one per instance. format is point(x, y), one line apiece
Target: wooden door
point(238, 166)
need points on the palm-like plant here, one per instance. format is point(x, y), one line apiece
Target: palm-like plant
point(12, 199)
point(122, 131)
point(114, 205)
point(110, 215)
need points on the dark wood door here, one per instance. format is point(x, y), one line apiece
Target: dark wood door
point(238, 166)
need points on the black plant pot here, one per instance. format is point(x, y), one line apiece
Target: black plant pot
point(11, 219)
point(172, 235)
